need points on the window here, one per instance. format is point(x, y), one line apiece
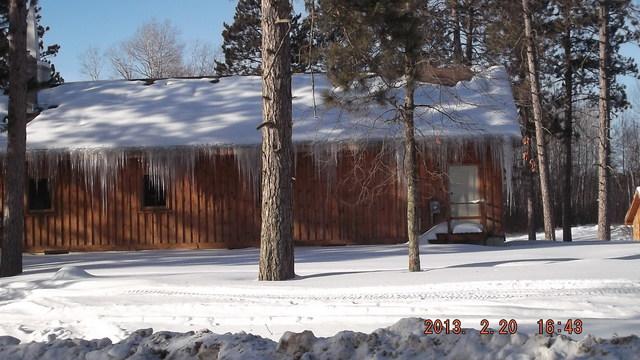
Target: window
point(153, 193)
point(39, 195)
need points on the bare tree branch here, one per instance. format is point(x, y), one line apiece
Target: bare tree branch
point(91, 63)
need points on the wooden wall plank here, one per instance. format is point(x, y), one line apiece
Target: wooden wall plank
point(183, 211)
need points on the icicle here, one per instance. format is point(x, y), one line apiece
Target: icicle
point(325, 159)
point(398, 152)
point(248, 160)
point(508, 159)
point(101, 168)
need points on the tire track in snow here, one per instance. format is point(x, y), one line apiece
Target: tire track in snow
point(471, 294)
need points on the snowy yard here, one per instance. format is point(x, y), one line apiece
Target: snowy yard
point(359, 288)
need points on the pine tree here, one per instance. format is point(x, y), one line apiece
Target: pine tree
point(316, 39)
point(45, 54)
point(242, 41)
point(384, 40)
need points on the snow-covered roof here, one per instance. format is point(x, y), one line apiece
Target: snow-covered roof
point(182, 112)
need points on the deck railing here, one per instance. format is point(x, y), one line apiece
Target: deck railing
point(486, 217)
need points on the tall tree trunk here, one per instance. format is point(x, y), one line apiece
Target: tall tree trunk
point(528, 171)
point(531, 205)
point(567, 213)
point(528, 162)
point(276, 233)
point(528, 176)
point(541, 147)
point(411, 165)
point(469, 31)
point(604, 222)
point(15, 171)
point(457, 43)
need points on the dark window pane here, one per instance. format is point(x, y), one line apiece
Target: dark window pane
point(153, 194)
point(39, 194)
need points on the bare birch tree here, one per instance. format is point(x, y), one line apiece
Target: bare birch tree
point(12, 241)
point(121, 62)
point(153, 52)
point(276, 233)
point(541, 146)
point(202, 60)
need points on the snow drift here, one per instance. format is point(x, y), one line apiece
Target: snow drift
point(403, 340)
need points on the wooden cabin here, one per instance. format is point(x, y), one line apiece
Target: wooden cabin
point(175, 163)
point(633, 215)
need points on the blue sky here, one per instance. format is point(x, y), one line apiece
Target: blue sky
point(79, 24)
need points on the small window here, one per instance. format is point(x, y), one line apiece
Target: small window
point(39, 195)
point(153, 193)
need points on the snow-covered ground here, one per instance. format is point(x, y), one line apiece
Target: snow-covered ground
point(358, 288)
point(582, 233)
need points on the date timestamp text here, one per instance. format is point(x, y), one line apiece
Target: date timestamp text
point(505, 327)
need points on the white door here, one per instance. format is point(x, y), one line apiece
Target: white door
point(464, 190)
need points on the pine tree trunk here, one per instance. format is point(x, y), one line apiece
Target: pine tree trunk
point(12, 241)
point(531, 205)
point(470, 30)
point(528, 168)
point(567, 213)
point(528, 183)
point(541, 147)
point(528, 180)
point(604, 225)
point(410, 169)
point(411, 166)
point(457, 43)
point(276, 235)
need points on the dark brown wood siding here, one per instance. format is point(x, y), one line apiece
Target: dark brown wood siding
point(359, 201)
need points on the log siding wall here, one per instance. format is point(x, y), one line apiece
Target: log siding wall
point(218, 206)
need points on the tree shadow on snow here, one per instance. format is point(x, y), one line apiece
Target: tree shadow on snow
point(544, 261)
point(158, 259)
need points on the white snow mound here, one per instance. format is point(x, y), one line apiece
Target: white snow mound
point(71, 273)
point(467, 228)
point(404, 340)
